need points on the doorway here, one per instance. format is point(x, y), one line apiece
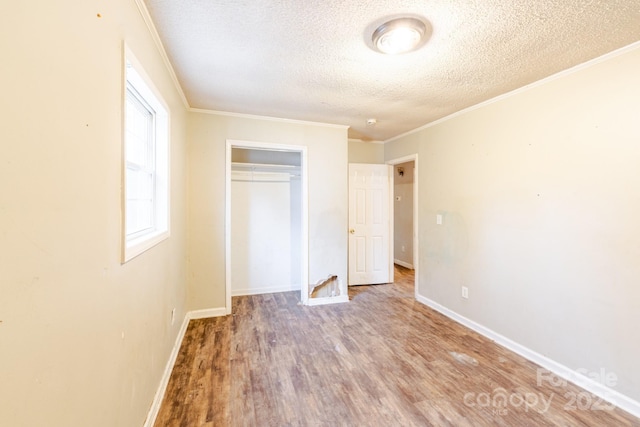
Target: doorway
point(405, 214)
point(266, 219)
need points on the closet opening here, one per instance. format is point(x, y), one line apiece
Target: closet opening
point(266, 221)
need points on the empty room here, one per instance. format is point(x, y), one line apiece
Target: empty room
point(356, 213)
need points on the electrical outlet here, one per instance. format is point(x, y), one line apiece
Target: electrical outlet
point(402, 248)
point(173, 316)
point(465, 292)
point(438, 219)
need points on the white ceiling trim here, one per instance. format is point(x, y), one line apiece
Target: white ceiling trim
point(163, 53)
point(266, 118)
point(367, 141)
point(563, 73)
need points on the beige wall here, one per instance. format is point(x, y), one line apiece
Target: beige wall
point(365, 152)
point(539, 193)
point(83, 339)
point(328, 214)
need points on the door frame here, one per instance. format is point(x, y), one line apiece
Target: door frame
point(416, 248)
point(304, 244)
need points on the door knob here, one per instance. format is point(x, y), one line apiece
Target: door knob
point(352, 231)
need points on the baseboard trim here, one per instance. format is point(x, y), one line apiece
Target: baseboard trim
point(244, 292)
point(206, 313)
point(328, 300)
point(608, 394)
point(164, 381)
point(403, 264)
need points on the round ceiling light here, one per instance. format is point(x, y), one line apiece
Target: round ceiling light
point(399, 35)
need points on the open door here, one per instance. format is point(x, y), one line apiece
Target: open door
point(370, 253)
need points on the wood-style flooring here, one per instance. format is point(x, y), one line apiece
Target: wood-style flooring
point(382, 359)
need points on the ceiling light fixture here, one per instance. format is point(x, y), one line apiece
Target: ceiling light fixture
point(399, 35)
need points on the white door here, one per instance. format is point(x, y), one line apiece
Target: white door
point(370, 255)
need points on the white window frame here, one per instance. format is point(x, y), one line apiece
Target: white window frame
point(138, 82)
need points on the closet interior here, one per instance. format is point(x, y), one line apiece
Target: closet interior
point(266, 221)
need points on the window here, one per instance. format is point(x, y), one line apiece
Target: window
point(146, 161)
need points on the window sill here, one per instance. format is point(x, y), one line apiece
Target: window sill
point(135, 247)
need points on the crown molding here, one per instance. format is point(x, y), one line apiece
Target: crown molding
point(163, 53)
point(266, 118)
point(373, 141)
point(558, 75)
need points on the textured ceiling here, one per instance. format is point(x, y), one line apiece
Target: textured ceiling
point(311, 61)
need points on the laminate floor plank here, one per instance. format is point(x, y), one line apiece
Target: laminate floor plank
point(382, 359)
